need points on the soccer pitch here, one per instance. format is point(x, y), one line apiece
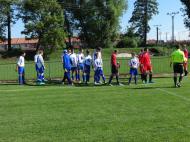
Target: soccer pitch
point(55, 113)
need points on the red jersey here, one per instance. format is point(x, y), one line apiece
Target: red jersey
point(146, 59)
point(186, 53)
point(140, 57)
point(114, 59)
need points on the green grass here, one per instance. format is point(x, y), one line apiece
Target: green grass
point(143, 113)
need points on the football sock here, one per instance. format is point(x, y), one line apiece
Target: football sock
point(180, 78)
point(145, 78)
point(111, 77)
point(20, 79)
point(83, 77)
point(150, 77)
point(117, 78)
point(175, 80)
point(135, 79)
point(130, 79)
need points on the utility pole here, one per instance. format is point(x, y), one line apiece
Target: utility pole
point(166, 37)
point(172, 14)
point(157, 29)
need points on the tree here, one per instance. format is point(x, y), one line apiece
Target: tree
point(44, 21)
point(186, 11)
point(95, 21)
point(143, 12)
point(7, 17)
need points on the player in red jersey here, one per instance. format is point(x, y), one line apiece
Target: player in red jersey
point(114, 68)
point(140, 56)
point(147, 66)
point(186, 53)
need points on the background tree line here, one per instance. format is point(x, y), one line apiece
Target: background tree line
point(96, 22)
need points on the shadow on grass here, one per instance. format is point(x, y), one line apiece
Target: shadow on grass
point(59, 83)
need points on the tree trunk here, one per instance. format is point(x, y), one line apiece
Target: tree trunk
point(9, 28)
point(145, 23)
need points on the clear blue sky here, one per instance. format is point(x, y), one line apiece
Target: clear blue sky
point(162, 18)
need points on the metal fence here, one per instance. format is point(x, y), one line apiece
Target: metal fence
point(54, 69)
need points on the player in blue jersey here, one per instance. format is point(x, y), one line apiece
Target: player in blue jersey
point(134, 64)
point(66, 61)
point(87, 66)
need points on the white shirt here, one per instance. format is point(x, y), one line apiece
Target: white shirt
point(40, 61)
point(98, 63)
point(73, 60)
point(35, 58)
point(88, 60)
point(20, 61)
point(80, 58)
point(99, 55)
point(134, 63)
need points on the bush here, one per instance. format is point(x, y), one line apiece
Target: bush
point(128, 42)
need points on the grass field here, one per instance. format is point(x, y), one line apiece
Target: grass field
point(54, 113)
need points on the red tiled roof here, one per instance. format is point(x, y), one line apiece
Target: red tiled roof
point(19, 41)
point(31, 41)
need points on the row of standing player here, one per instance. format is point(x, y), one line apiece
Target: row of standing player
point(76, 63)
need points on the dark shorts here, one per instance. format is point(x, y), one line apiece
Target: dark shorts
point(114, 70)
point(20, 70)
point(133, 71)
point(178, 68)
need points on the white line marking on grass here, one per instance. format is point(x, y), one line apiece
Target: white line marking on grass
point(174, 94)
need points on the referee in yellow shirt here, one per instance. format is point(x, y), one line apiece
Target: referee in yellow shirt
point(177, 59)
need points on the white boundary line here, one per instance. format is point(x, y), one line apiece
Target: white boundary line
point(174, 94)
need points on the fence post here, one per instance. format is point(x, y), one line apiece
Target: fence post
point(49, 70)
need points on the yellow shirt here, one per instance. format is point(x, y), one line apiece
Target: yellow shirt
point(178, 56)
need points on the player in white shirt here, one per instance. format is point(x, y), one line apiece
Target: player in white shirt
point(80, 66)
point(134, 64)
point(41, 68)
point(97, 54)
point(74, 63)
point(98, 68)
point(87, 65)
point(20, 69)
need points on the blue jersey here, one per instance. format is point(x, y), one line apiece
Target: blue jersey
point(66, 61)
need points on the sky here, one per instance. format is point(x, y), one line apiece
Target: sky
point(165, 6)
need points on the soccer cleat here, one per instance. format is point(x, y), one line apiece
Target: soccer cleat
point(96, 83)
point(179, 85)
point(120, 84)
point(41, 83)
point(110, 84)
point(45, 80)
point(151, 81)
